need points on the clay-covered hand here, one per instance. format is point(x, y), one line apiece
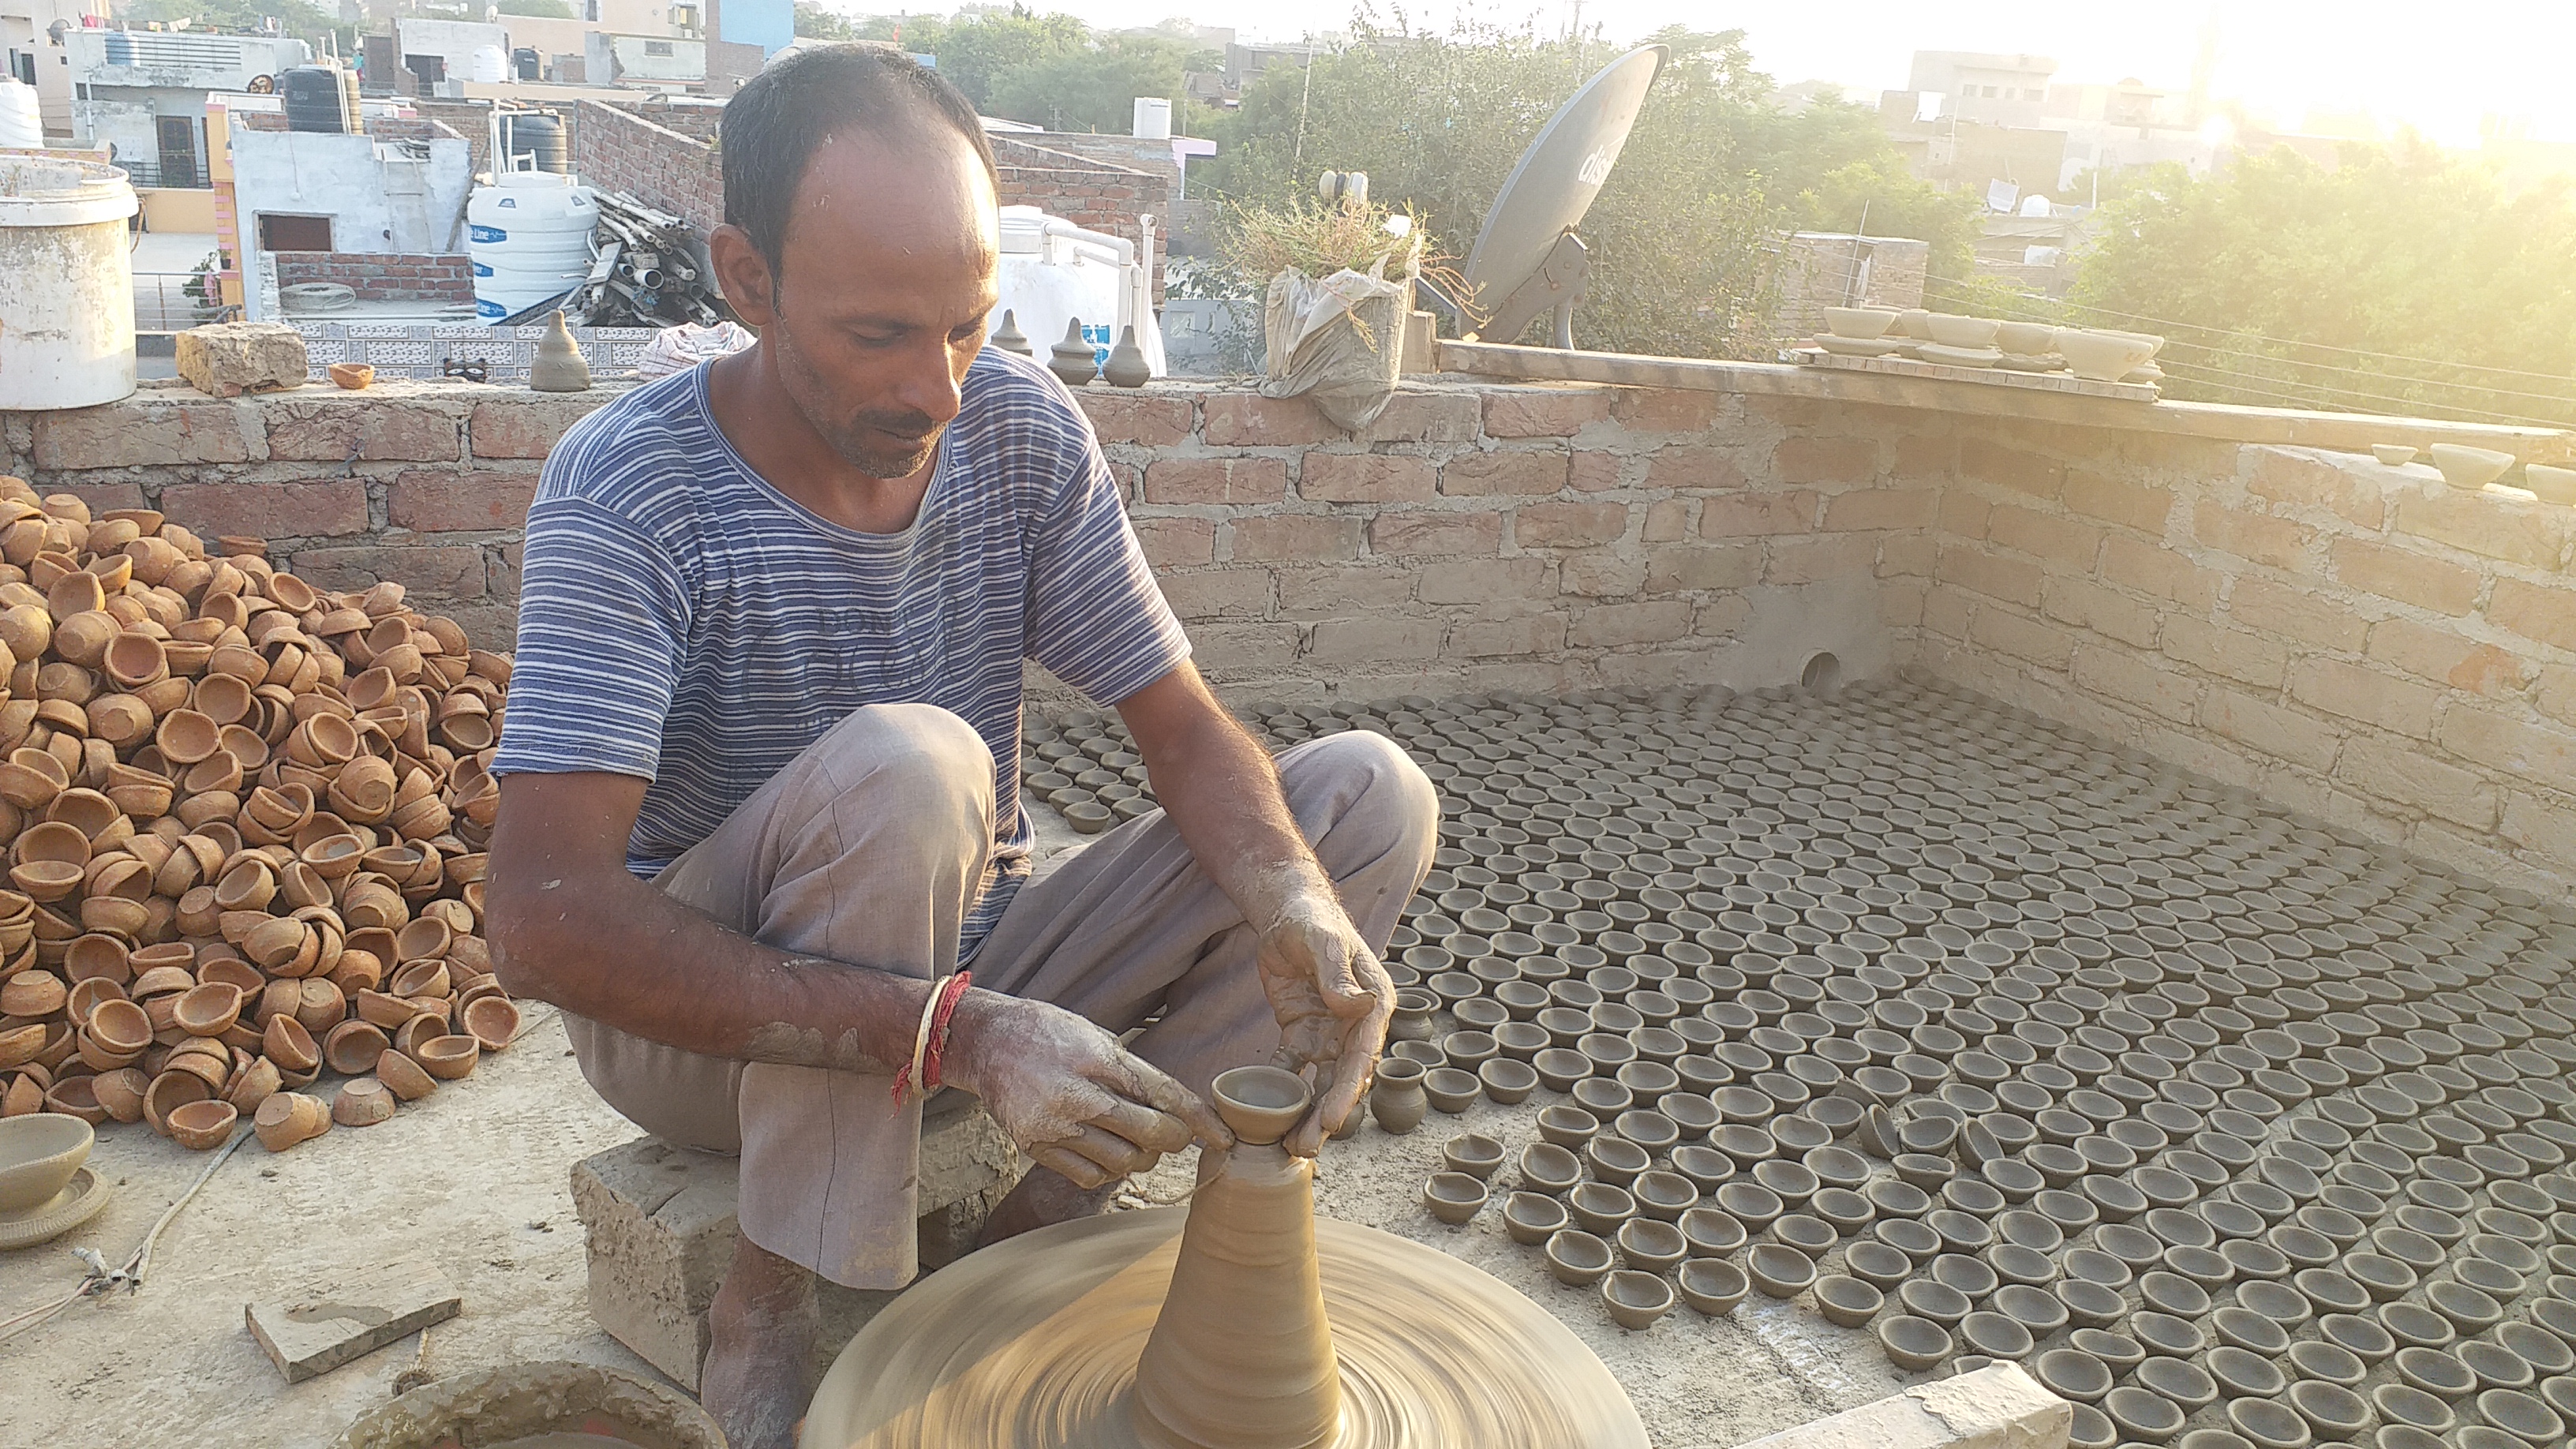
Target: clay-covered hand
point(1333, 1001)
point(1067, 1093)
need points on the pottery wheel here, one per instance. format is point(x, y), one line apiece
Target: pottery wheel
point(1033, 1343)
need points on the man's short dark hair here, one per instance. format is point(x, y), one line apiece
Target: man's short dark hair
point(774, 124)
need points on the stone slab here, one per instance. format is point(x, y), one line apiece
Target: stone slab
point(1998, 1407)
point(661, 1227)
point(2065, 382)
point(227, 359)
point(350, 1314)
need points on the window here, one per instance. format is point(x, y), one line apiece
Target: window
point(657, 47)
point(22, 64)
point(294, 233)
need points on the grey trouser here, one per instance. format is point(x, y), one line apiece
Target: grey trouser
point(869, 848)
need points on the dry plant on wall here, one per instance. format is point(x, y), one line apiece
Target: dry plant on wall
point(1317, 238)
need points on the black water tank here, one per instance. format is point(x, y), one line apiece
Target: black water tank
point(542, 133)
point(314, 99)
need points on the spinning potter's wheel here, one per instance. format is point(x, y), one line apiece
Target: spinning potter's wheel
point(1242, 1323)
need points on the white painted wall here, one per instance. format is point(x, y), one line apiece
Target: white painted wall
point(378, 198)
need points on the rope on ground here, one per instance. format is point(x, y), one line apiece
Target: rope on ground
point(102, 1280)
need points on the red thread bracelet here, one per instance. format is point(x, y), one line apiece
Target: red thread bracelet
point(933, 1045)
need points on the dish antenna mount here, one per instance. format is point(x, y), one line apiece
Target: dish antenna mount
point(1528, 259)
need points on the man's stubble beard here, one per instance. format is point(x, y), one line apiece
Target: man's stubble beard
point(854, 437)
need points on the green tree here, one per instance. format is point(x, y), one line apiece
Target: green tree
point(813, 22)
point(2402, 279)
point(304, 21)
point(975, 52)
point(1677, 235)
point(1091, 89)
point(543, 9)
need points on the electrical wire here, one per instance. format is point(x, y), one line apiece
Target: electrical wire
point(2212, 377)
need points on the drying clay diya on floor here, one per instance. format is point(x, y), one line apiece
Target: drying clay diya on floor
point(46, 1186)
point(1242, 1321)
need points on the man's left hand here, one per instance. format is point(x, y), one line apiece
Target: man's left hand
point(1333, 1000)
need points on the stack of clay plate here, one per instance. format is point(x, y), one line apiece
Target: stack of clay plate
point(1857, 332)
point(2028, 347)
point(1961, 341)
point(245, 823)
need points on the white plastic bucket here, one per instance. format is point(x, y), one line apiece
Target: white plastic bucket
point(529, 236)
point(22, 123)
point(66, 286)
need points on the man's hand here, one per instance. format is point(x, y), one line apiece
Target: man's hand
point(1067, 1093)
point(1333, 1001)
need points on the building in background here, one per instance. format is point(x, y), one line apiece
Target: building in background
point(142, 93)
point(32, 34)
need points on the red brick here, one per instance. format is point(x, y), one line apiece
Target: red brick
point(1819, 560)
point(1679, 567)
point(1544, 412)
point(1344, 641)
point(2531, 534)
point(1964, 514)
point(1241, 419)
point(1176, 542)
point(1409, 534)
point(426, 571)
point(1337, 591)
point(1608, 626)
point(1746, 515)
point(2152, 568)
point(397, 429)
point(2174, 695)
point(1667, 521)
point(2026, 639)
point(1365, 478)
point(1149, 419)
point(1601, 574)
point(1296, 536)
point(2254, 537)
point(1882, 508)
point(1983, 460)
point(1926, 456)
point(2087, 605)
point(1693, 467)
point(2288, 477)
point(1982, 572)
point(1484, 580)
point(1523, 474)
point(1218, 593)
point(1486, 638)
point(2141, 508)
point(2307, 615)
point(1568, 525)
point(1216, 480)
point(1825, 460)
point(147, 434)
point(2369, 695)
point(2405, 574)
point(2535, 611)
point(528, 426)
point(323, 508)
point(446, 502)
point(1662, 410)
point(101, 497)
point(2437, 653)
point(1596, 472)
point(1425, 417)
point(2060, 541)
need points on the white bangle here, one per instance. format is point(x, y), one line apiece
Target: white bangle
point(921, 1034)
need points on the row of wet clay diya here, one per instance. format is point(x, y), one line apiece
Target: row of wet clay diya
point(244, 821)
point(2095, 354)
point(2453, 926)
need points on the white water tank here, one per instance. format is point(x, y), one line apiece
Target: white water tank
point(21, 123)
point(488, 65)
point(529, 236)
point(66, 284)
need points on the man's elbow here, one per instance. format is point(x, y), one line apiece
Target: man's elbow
point(524, 936)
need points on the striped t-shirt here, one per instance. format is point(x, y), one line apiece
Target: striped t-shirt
point(682, 620)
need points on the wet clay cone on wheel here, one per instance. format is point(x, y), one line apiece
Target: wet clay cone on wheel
point(1242, 1356)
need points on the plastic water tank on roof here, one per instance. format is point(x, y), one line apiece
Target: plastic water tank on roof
point(529, 237)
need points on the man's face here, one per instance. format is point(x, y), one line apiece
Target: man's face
point(890, 268)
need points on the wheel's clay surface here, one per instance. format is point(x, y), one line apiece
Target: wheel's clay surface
point(1033, 1344)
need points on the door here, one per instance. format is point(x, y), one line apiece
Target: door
point(178, 138)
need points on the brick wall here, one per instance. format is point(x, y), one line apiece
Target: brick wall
point(2336, 635)
point(384, 277)
point(652, 153)
point(1089, 193)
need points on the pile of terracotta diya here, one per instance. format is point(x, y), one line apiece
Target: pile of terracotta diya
point(244, 821)
point(1981, 1036)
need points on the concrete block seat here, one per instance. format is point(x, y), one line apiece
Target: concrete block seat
point(660, 1226)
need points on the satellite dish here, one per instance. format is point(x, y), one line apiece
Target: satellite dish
point(1528, 259)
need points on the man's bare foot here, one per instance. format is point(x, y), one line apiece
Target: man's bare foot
point(1043, 1197)
point(763, 1325)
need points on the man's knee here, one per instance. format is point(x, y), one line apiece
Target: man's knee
point(1384, 794)
point(908, 755)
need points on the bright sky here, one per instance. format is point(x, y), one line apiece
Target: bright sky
point(2440, 67)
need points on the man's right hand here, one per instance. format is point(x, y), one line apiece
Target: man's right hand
point(1067, 1093)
